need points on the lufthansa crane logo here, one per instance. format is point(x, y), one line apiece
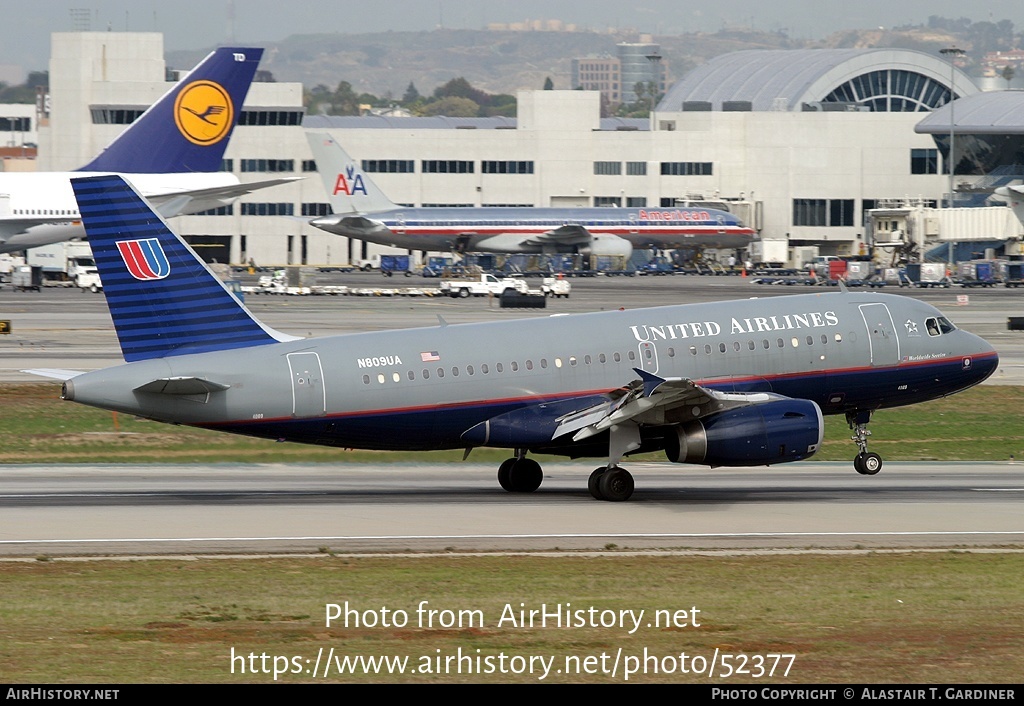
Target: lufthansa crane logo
point(203, 112)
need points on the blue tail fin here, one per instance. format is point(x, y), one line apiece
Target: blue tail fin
point(163, 299)
point(187, 130)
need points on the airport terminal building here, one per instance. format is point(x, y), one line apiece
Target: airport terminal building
point(806, 140)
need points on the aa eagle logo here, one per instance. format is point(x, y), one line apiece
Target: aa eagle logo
point(203, 112)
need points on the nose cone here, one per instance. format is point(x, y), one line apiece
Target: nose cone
point(981, 361)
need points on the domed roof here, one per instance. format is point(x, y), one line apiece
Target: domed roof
point(781, 79)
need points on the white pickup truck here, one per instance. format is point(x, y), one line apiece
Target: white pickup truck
point(88, 278)
point(487, 284)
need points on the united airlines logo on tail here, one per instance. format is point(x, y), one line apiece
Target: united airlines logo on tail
point(203, 112)
point(145, 259)
point(350, 183)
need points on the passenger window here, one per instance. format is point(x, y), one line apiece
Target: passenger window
point(515, 366)
point(380, 378)
point(499, 367)
point(839, 338)
point(558, 362)
point(587, 359)
point(396, 377)
point(543, 363)
point(693, 350)
point(736, 346)
point(766, 343)
point(721, 348)
point(617, 357)
point(455, 372)
point(671, 352)
point(602, 358)
point(632, 355)
point(824, 339)
point(572, 360)
point(426, 374)
point(366, 379)
point(707, 348)
point(795, 342)
point(529, 365)
point(750, 345)
point(440, 372)
point(469, 369)
point(483, 368)
point(412, 375)
point(810, 340)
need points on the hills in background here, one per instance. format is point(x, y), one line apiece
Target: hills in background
point(496, 61)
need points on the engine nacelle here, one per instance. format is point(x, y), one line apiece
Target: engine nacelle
point(605, 244)
point(757, 435)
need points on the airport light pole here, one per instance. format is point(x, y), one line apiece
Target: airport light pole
point(952, 53)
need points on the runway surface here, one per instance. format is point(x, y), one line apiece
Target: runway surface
point(144, 510)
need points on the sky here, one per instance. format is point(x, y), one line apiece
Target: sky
point(199, 24)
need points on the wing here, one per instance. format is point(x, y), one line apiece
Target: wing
point(655, 401)
point(649, 401)
point(175, 203)
point(563, 235)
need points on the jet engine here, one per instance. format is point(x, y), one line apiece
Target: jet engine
point(757, 435)
point(604, 244)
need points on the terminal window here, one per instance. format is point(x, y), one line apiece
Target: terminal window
point(686, 169)
point(446, 166)
point(608, 168)
point(389, 166)
point(924, 161)
point(506, 167)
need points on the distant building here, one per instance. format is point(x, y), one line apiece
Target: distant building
point(616, 77)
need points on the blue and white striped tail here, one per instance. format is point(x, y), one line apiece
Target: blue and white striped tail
point(162, 298)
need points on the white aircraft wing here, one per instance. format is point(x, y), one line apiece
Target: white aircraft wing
point(647, 400)
point(563, 235)
point(188, 201)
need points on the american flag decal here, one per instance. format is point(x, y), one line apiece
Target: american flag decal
point(429, 356)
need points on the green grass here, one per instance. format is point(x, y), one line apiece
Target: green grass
point(982, 423)
point(868, 618)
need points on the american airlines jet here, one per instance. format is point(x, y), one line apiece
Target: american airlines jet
point(362, 211)
point(732, 383)
point(172, 154)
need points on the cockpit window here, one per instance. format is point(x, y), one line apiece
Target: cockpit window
point(939, 325)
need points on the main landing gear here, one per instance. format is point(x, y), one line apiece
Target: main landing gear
point(614, 484)
point(520, 474)
point(865, 463)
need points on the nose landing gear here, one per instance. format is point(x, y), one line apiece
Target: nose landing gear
point(866, 463)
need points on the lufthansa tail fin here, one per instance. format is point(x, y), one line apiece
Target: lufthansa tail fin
point(163, 299)
point(187, 130)
point(348, 187)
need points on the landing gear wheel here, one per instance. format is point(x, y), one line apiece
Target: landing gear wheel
point(525, 475)
point(594, 480)
point(868, 464)
point(615, 484)
point(505, 473)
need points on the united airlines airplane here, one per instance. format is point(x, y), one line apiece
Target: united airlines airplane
point(362, 211)
point(740, 383)
point(172, 154)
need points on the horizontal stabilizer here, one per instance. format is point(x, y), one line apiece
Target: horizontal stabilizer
point(182, 386)
point(54, 373)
